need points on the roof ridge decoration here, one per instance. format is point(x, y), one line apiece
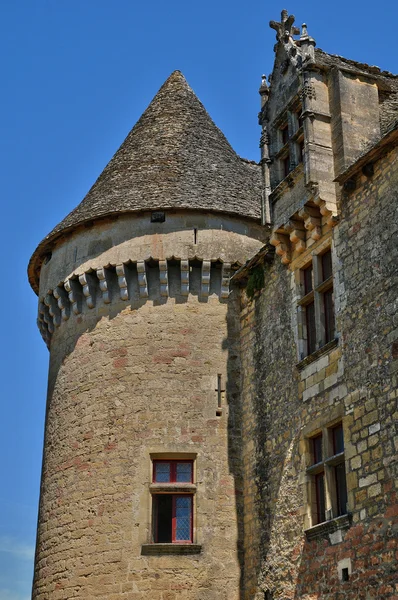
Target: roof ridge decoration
point(299, 52)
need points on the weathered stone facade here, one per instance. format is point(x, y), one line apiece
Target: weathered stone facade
point(296, 390)
point(183, 327)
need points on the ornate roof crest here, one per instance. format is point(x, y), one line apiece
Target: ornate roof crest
point(285, 29)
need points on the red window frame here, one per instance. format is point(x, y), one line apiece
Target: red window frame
point(174, 498)
point(173, 470)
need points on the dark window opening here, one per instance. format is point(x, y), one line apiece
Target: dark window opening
point(286, 166)
point(172, 518)
point(344, 574)
point(285, 135)
point(320, 497)
point(195, 236)
point(317, 448)
point(338, 439)
point(341, 489)
point(311, 328)
point(326, 260)
point(328, 303)
point(307, 273)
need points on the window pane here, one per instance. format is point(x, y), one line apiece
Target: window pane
point(329, 315)
point(184, 472)
point(163, 508)
point(162, 472)
point(286, 166)
point(311, 331)
point(307, 280)
point(285, 135)
point(320, 497)
point(338, 439)
point(317, 448)
point(326, 265)
point(183, 512)
point(341, 489)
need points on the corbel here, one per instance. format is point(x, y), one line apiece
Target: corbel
point(184, 277)
point(312, 221)
point(122, 282)
point(142, 280)
point(297, 235)
point(282, 246)
point(205, 278)
point(53, 310)
point(164, 279)
point(71, 287)
point(103, 285)
point(225, 277)
point(86, 281)
point(63, 302)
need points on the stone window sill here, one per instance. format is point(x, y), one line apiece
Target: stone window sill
point(161, 549)
point(318, 531)
point(180, 488)
point(317, 354)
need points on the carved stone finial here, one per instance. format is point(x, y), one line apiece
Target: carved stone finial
point(304, 32)
point(285, 29)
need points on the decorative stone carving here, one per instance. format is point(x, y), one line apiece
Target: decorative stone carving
point(164, 280)
point(205, 278)
point(184, 277)
point(142, 280)
point(308, 91)
point(297, 235)
point(282, 246)
point(63, 302)
point(70, 286)
point(67, 297)
point(103, 284)
point(225, 277)
point(86, 282)
point(122, 282)
point(285, 28)
point(312, 221)
point(53, 309)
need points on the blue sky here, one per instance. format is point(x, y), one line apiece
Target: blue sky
point(76, 75)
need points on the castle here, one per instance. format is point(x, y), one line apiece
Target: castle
point(223, 342)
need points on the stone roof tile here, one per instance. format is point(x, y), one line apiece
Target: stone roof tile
point(174, 157)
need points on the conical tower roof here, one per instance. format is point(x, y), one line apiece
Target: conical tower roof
point(174, 157)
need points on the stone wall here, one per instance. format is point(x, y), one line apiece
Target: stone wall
point(354, 382)
point(133, 376)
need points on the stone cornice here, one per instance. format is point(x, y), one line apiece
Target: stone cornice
point(128, 281)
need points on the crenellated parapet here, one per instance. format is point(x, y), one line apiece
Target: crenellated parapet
point(133, 281)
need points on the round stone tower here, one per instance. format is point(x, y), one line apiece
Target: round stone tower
point(141, 481)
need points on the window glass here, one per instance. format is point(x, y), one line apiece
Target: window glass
point(317, 448)
point(162, 472)
point(311, 328)
point(307, 274)
point(326, 260)
point(341, 489)
point(320, 497)
point(329, 315)
point(184, 472)
point(183, 513)
point(338, 439)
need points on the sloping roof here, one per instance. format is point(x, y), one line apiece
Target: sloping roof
point(174, 157)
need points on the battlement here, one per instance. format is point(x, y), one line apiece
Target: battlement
point(132, 282)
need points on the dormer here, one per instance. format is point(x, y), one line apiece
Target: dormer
point(319, 112)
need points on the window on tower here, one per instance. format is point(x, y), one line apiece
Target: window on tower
point(172, 501)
